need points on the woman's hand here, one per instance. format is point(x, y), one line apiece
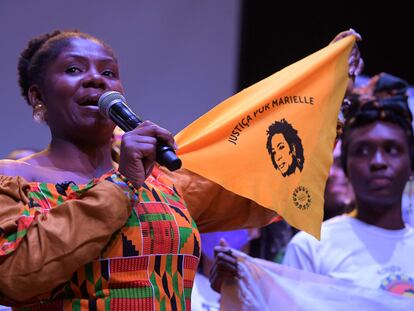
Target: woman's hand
point(224, 267)
point(138, 151)
point(356, 63)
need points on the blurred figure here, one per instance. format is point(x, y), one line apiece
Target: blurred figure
point(407, 205)
point(271, 241)
point(339, 195)
point(268, 243)
point(204, 298)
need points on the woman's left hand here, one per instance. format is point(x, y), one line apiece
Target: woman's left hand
point(356, 63)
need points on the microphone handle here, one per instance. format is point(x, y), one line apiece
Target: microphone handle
point(122, 116)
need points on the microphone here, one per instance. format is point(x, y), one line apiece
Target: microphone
point(113, 105)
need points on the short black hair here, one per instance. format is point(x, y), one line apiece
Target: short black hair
point(40, 51)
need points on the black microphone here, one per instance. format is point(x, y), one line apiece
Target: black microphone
point(113, 105)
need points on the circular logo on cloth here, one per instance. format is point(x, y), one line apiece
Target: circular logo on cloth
point(302, 198)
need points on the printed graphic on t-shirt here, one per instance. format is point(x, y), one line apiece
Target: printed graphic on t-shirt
point(399, 284)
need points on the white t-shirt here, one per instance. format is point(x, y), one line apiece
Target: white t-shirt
point(357, 252)
point(407, 202)
point(203, 297)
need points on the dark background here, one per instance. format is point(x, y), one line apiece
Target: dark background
point(180, 58)
point(275, 34)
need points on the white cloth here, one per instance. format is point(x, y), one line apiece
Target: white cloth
point(407, 203)
point(269, 286)
point(203, 297)
point(4, 308)
point(354, 251)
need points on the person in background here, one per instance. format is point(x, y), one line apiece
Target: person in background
point(385, 85)
point(204, 298)
point(339, 195)
point(374, 248)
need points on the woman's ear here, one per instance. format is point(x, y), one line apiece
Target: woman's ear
point(34, 95)
point(39, 108)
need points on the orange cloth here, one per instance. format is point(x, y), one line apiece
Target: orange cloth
point(216, 209)
point(229, 143)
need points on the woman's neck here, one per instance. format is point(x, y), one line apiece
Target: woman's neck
point(386, 217)
point(88, 160)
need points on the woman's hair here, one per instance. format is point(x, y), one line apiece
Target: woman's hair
point(292, 138)
point(42, 50)
point(384, 99)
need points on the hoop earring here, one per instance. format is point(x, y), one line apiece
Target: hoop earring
point(39, 113)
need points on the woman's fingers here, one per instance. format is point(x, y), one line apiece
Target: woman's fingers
point(355, 62)
point(138, 151)
point(346, 33)
point(147, 128)
point(225, 266)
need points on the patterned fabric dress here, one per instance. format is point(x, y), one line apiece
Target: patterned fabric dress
point(149, 264)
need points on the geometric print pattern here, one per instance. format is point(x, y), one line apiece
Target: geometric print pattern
point(149, 264)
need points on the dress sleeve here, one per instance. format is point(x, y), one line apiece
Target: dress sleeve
point(216, 209)
point(40, 250)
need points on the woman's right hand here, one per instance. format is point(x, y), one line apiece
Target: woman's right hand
point(138, 151)
point(225, 266)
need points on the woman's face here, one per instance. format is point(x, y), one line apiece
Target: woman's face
point(283, 156)
point(73, 83)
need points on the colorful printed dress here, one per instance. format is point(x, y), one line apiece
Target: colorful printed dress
point(149, 264)
point(138, 250)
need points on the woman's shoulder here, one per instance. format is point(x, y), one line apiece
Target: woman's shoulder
point(16, 168)
point(30, 168)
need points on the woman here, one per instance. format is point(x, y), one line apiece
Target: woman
point(79, 231)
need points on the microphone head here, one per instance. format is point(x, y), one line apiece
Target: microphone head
point(107, 99)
